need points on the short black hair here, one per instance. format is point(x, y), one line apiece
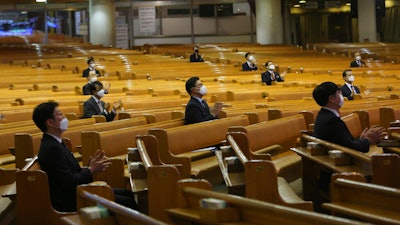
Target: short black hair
point(90, 59)
point(190, 83)
point(93, 86)
point(42, 113)
point(344, 72)
point(322, 92)
point(266, 64)
point(247, 54)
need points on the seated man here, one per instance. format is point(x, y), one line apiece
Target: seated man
point(197, 109)
point(357, 61)
point(196, 57)
point(250, 64)
point(94, 105)
point(348, 89)
point(91, 65)
point(271, 75)
point(92, 78)
point(63, 170)
point(330, 127)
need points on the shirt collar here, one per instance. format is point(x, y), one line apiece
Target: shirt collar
point(332, 110)
point(55, 137)
point(198, 99)
point(348, 85)
point(97, 100)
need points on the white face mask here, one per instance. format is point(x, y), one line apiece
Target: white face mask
point(341, 100)
point(203, 90)
point(271, 67)
point(351, 78)
point(93, 79)
point(64, 124)
point(251, 58)
point(92, 65)
point(358, 58)
point(101, 93)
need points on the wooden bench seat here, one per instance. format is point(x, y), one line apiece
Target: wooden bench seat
point(176, 145)
point(364, 201)
point(284, 132)
point(261, 181)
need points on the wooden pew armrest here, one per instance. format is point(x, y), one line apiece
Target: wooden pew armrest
point(364, 212)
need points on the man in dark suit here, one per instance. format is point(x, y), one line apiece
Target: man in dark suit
point(357, 61)
point(196, 57)
point(94, 105)
point(348, 89)
point(197, 109)
point(91, 65)
point(250, 63)
point(271, 75)
point(63, 170)
point(330, 127)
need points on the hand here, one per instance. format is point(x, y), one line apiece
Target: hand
point(216, 109)
point(283, 74)
point(106, 86)
point(117, 104)
point(98, 162)
point(373, 134)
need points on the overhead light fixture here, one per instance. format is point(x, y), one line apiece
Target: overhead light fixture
point(41, 0)
point(302, 1)
point(297, 6)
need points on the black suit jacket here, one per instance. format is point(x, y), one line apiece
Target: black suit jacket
point(266, 77)
point(85, 73)
point(331, 128)
point(195, 112)
point(63, 172)
point(246, 67)
point(193, 58)
point(91, 108)
point(355, 64)
point(346, 92)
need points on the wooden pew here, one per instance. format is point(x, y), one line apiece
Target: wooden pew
point(32, 188)
point(315, 161)
point(33, 196)
point(27, 145)
point(262, 182)
point(363, 201)
point(176, 146)
point(385, 169)
point(120, 214)
point(176, 201)
point(106, 140)
point(7, 206)
point(254, 139)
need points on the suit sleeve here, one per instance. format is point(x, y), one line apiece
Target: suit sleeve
point(342, 136)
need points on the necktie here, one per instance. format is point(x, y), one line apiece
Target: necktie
point(352, 90)
point(272, 76)
point(203, 103)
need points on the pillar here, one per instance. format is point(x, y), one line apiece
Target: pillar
point(366, 21)
point(269, 22)
point(102, 22)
